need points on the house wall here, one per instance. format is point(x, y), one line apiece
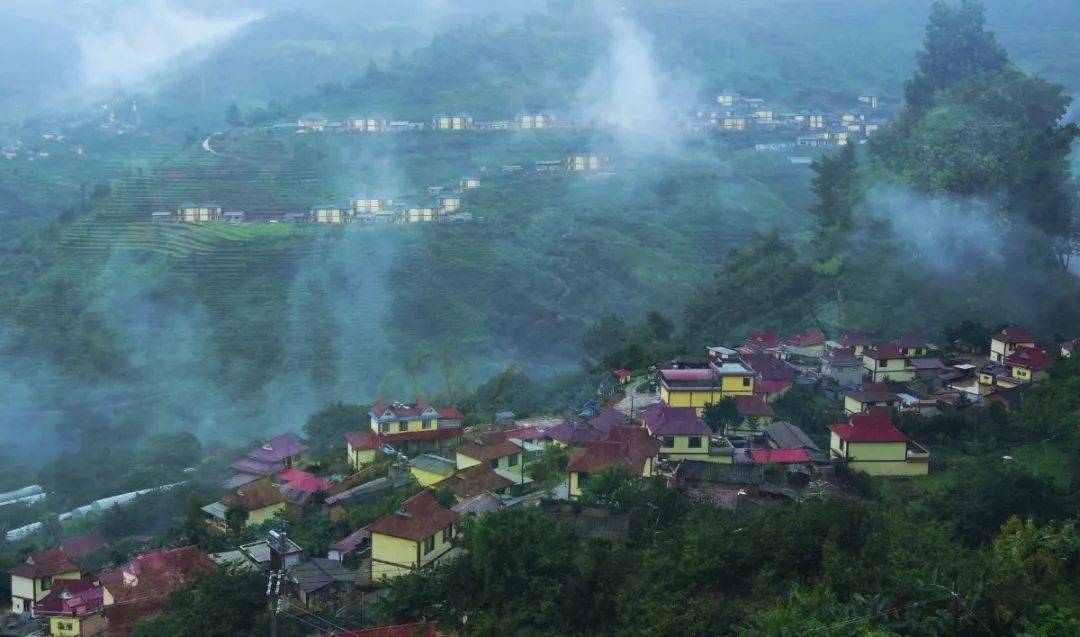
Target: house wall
point(729, 386)
point(575, 485)
point(894, 468)
point(877, 451)
point(392, 556)
point(64, 627)
point(852, 406)
point(891, 369)
point(360, 457)
point(681, 445)
point(410, 426)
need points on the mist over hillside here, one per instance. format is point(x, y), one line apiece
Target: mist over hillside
point(112, 325)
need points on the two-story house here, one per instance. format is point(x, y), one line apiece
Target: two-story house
point(631, 450)
point(871, 443)
point(493, 449)
point(260, 500)
point(73, 607)
point(32, 580)
point(420, 533)
point(416, 426)
point(361, 446)
point(1007, 340)
point(886, 363)
point(680, 431)
point(198, 212)
point(869, 396)
point(699, 387)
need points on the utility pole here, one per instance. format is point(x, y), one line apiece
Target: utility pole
point(278, 544)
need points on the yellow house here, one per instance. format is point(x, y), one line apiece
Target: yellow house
point(586, 162)
point(422, 214)
point(629, 449)
point(415, 426)
point(365, 124)
point(260, 499)
point(493, 449)
point(1007, 340)
point(329, 214)
point(869, 442)
point(699, 387)
point(420, 533)
point(681, 433)
point(1028, 364)
point(429, 468)
point(450, 203)
point(73, 608)
point(756, 415)
point(451, 122)
point(475, 480)
point(869, 396)
point(886, 363)
point(369, 205)
point(361, 447)
point(198, 213)
point(32, 580)
point(808, 343)
point(854, 341)
point(534, 121)
point(911, 345)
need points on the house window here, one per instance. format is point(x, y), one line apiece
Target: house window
point(695, 442)
point(429, 545)
point(669, 441)
point(403, 426)
point(512, 461)
point(448, 534)
point(746, 382)
point(495, 463)
point(582, 478)
point(885, 363)
point(383, 427)
point(427, 423)
point(46, 583)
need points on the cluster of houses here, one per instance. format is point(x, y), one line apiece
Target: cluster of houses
point(737, 114)
point(18, 149)
point(317, 123)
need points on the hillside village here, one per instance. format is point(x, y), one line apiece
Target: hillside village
point(736, 114)
point(704, 425)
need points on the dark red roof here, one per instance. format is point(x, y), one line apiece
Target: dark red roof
point(873, 426)
point(662, 419)
point(44, 564)
point(429, 434)
point(450, 413)
point(843, 356)
point(779, 456)
point(910, 340)
point(753, 406)
point(523, 433)
point(1029, 358)
point(621, 373)
point(418, 519)
point(304, 481)
point(363, 439)
point(353, 540)
point(607, 418)
point(71, 597)
point(253, 496)
point(1014, 334)
point(807, 338)
point(156, 574)
point(257, 467)
point(873, 393)
point(474, 480)
point(852, 339)
point(413, 410)
point(491, 445)
point(763, 339)
point(628, 447)
point(82, 545)
point(689, 375)
point(573, 431)
point(768, 387)
point(769, 367)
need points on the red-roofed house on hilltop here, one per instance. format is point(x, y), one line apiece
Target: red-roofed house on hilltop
point(417, 534)
point(416, 427)
point(869, 442)
point(73, 608)
point(361, 446)
point(629, 449)
point(1007, 340)
point(886, 362)
point(32, 580)
point(141, 587)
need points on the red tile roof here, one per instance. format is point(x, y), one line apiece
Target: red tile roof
point(852, 339)
point(351, 541)
point(253, 496)
point(71, 597)
point(523, 433)
point(1013, 334)
point(689, 375)
point(573, 431)
point(621, 373)
point(493, 444)
point(82, 545)
point(779, 456)
point(607, 418)
point(769, 387)
point(44, 564)
point(662, 419)
point(763, 339)
point(753, 406)
point(363, 439)
point(474, 480)
point(769, 367)
point(419, 518)
point(628, 447)
point(873, 426)
point(806, 339)
point(304, 481)
point(873, 393)
point(156, 574)
point(257, 467)
point(449, 413)
point(1029, 358)
point(413, 410)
